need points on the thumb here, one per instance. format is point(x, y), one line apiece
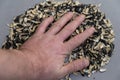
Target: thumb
point(75, 66)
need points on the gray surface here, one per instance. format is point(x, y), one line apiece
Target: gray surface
point(11, 8)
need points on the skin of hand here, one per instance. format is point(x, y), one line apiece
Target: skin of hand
point(42, 56)
point(47, 50)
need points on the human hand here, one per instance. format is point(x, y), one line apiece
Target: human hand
point(47, 50)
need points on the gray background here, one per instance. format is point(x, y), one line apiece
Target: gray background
point(12, 8)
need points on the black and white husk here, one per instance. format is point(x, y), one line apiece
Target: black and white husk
point(98, 48)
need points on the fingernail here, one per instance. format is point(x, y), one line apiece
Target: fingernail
point(70, 13)
point(86, 62)
point(92, 28)
point(82, 16)
point(52, 18)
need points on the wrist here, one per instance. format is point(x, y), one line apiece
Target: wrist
point(26, 65)
point(14, 65)
point(35, 66)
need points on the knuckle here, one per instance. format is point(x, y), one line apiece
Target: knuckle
point(57, 24)
point(67, 49)
point(76, 38)
point(70, 29)
point(67, 17)
point(68, 46)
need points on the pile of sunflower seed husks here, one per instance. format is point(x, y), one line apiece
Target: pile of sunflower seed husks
point(98, 48)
